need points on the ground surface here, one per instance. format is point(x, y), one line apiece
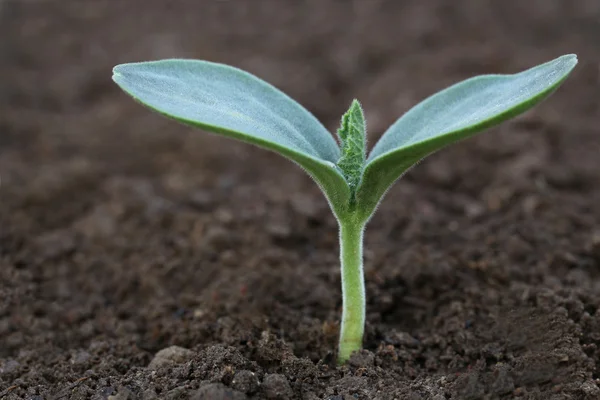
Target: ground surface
point(122, 234)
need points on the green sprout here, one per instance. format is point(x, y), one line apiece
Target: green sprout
point(230, 102)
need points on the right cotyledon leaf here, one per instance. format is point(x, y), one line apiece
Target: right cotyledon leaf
point(234, 103)
point(458, 112)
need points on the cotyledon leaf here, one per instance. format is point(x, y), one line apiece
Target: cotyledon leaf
point(231, 102)
point(458, 112)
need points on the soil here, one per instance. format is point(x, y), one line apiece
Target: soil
point(140, 259)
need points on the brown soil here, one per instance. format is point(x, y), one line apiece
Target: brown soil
point(122, 233)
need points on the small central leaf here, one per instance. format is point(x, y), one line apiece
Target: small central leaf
point(353, 138)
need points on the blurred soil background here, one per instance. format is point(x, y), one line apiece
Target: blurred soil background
point(123, 234)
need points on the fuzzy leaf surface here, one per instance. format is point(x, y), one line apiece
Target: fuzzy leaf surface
point(230, 102)
point(456, 113)
point(352, 134)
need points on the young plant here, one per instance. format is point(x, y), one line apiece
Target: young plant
point(230, 102)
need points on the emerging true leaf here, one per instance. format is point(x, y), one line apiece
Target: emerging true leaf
point(352, 134)
point(231, 102)
point(453, 114)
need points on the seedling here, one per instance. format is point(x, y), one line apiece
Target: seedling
point(230, 102)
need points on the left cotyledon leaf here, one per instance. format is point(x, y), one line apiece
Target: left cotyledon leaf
point(231, 102)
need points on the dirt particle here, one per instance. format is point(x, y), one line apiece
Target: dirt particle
point(180, 392)
point(54, 244)
point(170, 356)
point(590, 389)
point(217, 391)
point(150, 394)
point(203, 200)
point(81, 357)
point(503, 384)
point(519, 392)
point(362, 359)
point(218, 238)
point(224, 216)
point(123, 393)
point(474, 209)
point(401, 339)
point(276, 387)
point(309, 396)
point(594, 245)
point(279, 230)
point(9, 367)
point(271, 348)
point(473, 387)
point(100, 222)
point(245, 381)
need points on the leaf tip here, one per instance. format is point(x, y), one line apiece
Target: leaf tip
point(117, 74)
point(355, 105)
point(122, 72)
point(570, 59)
point(566, 62)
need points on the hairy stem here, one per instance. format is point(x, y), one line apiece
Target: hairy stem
point(353, 288)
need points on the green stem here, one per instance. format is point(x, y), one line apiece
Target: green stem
point(353, 287)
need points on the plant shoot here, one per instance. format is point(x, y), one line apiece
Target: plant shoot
point(230, 102)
